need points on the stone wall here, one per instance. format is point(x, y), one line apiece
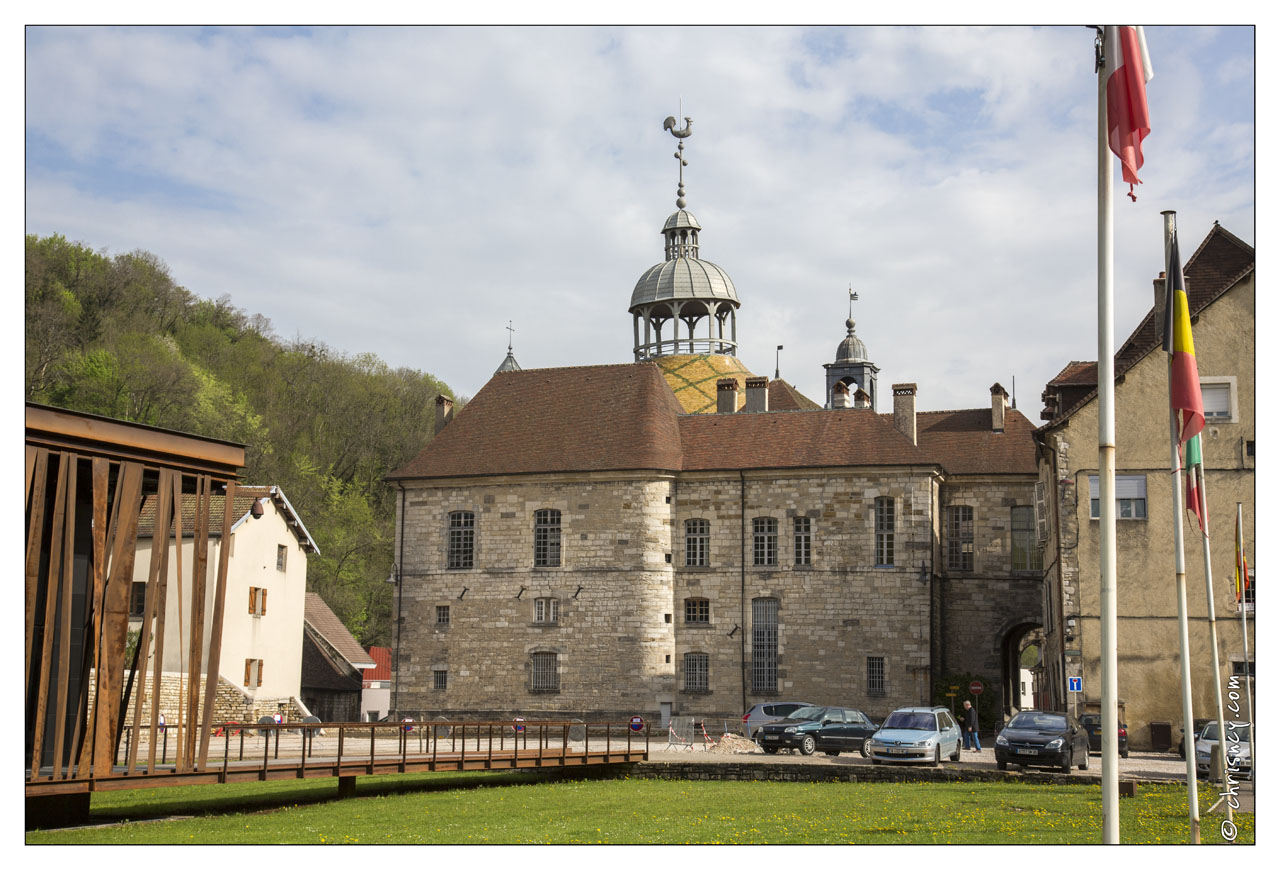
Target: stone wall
point(230, 704)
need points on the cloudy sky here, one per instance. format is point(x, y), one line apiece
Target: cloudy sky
point(408, 191)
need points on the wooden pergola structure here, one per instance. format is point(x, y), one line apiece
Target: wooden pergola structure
point(86, 479)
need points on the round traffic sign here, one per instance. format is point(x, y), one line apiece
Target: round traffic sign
point(975, 688)
point(637, 723)
point(408, 720)
point(518, 724)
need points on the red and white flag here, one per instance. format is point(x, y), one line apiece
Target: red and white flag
point(1128, 69)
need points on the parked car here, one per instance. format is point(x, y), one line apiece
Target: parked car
point(1093, 724)
point(1038, 738)
point(762, 713)
point(808, 729)
point(916, 734)
point(1237, 746)
point(1197, 726)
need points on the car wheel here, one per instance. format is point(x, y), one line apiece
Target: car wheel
point(1084, 765)
point(1125, 754)
point(1067, 761)
point(865, 749)
point(1001, 765)
point(770, 750)
point(955, 756)
point(808, 745)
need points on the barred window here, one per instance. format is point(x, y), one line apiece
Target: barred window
point(282, 553)
point(764, 645)
point(1023, 544)
point(875, 675)
point(546, 610)
point(442, 614)
point(696, 672)
point(138, 600)
point(462, 539)
point(697, 610)
point(884, 530)
point(960, 538)
point(697, 543)
point(439, 679)
point(546, 539)
point(546, 676)
point(764, 548)
point(803, 539)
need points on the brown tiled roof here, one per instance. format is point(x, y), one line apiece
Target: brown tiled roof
point(244, 498)
point(784, 397)
point(320, 671)
point(583, 418)
point(326, 624)
point(963, 443)
point(794, 439)
point(1220, 262)
point(381, 656)
point(1077, 373)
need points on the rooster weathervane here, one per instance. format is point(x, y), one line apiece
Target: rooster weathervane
point(670, 124)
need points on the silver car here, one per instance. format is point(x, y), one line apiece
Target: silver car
point(1239, 757)
point(921, 734)
point(767, 712)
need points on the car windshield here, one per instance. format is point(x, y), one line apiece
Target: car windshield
point(1038, 722)
point(1234, 732)
point(910, 721)
point(807, 713)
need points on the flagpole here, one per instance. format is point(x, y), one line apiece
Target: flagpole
point(1180, 577)
point(1241, 562)
point(1203, 497)
point(1107, 475)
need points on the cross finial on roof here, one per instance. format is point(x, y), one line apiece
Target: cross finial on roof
point(510, 331)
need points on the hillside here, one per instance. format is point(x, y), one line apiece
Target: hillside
point(116, 335)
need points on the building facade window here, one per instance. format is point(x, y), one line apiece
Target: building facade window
point(1240, 669)
point(253, 672)
point(960, 538)
point(282, 553)
point(546, 610)
point(697, 611)
point(884, 530)
point(697, 672)
point(802, 529)
point(697, 543)
point(1131, 496)
point(764, 546)
point(442, 615)
point(876, 685)
point(257, 601)
point(764, 646)
point(1218, 395)
point(545, 672)
point(1023, 544)
point(546, 539)
point(439, 679)
point(462, 540)
point(138, 600)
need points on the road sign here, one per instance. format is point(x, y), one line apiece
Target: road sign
point(518, 724)
point(955, 688)
point(408, 723)
point(637, 723)
point(975, 688)
point(1075, 684)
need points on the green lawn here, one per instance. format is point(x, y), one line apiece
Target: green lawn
point(519, 808)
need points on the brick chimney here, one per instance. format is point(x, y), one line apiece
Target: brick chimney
point(726, 396)
point(444, 412)
point(904, 410)
point(757, 395)
point(999, 403)
point(840, 395)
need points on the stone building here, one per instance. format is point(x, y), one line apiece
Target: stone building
point(678, 536)
point(1220, 288)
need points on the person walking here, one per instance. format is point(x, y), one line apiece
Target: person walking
point(971, 727)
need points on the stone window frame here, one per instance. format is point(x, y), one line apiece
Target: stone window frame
point(877, 676)
point(460, 540)
point(885, 523)
point(444, 616)
point(766, 644)
point(547, 538)
point(544, 672)
point(960, 538)
point(439, 679)
point(696, 673)
point(700, 609)
point(1034, 562)
point(546, 610)
point(697, 543)
point(802, 540)
point(764, 542)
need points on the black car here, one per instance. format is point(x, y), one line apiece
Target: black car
point(809, 729)
point(1036, 738)
point(1093, 724)
point(1197, 726)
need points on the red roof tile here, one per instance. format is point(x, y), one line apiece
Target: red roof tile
point(381, 656)
point(784, 397)
point(964, 443)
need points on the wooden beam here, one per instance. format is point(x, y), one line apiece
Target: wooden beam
point(160, 543)
point(144, 636)
point(64, 620)
point(35, 535)
point(93, 615)
point(181, 735)
point(199, 580)
point(50, 603)
point(215, 630)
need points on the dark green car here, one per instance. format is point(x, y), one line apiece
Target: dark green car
point(809, 729)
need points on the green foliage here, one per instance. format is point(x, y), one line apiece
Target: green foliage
point(117, 336)
point(988, 707)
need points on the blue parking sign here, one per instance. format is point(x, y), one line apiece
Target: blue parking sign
point(1074, 684)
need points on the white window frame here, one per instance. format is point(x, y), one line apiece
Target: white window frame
point(546, 610)
point(1234, 408)
point(1126, 492)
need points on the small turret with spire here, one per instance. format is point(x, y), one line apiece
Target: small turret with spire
point(509, 364)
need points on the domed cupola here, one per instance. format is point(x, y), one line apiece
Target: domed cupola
point(684, 288)
point(851, 368)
